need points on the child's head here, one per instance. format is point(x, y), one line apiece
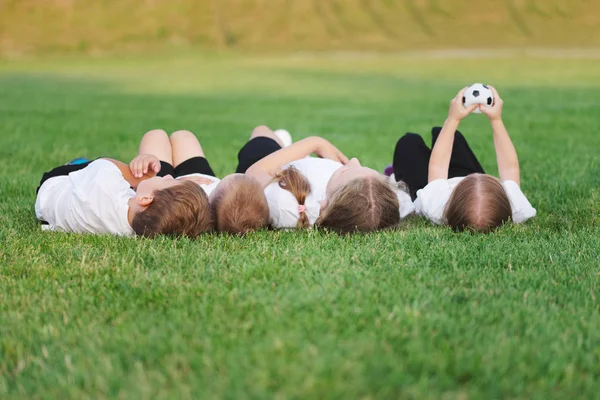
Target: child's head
point(363, 204)
point(479, 203)
point(359, 199)
point(239, 205)
point(170, 207)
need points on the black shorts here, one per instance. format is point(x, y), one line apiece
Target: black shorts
point(411, 160)
point(194, 165)
point(255, 150)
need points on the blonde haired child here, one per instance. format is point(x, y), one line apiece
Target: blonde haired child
point(331, 191)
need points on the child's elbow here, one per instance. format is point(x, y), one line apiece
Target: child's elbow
point(252, 171)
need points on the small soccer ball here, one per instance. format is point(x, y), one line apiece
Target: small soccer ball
point(478, 93)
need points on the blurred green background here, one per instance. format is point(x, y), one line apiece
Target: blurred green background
point(33, 27)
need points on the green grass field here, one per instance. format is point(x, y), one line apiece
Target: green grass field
point(419, 312)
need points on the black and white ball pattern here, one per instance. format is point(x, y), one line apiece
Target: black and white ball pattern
point(478, 93)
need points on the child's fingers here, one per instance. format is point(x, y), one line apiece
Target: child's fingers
point(139, 167)
point(473, 107)
point(342, 157)
point(494, 92)
point(156, 166)
point(461, 93)
point(133, 167)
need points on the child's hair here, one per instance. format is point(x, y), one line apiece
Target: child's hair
point(479, 203)
point(240, 206)
point(362, 205)
point(180, 210)
point(294, 182)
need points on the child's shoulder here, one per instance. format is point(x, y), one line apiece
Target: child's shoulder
point(100, 175)
point(101, 168)
point(102, 164)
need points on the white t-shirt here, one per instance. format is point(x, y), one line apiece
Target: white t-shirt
point(91, 200)
point(432, 199)
point(318, 171)
point(283, 206)
point(208, 188)
point(407, 206)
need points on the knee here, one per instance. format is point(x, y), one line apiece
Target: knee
point(157, 134)
point(261, 130)
point(181, 134)
point(410, 138)
point(407, 144)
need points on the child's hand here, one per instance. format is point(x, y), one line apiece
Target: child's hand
point(144, 164)
point(457, 110)
point(330, 152)
point(494, 112)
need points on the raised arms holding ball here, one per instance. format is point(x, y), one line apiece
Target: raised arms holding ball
point(448, 184)
point(506, 155)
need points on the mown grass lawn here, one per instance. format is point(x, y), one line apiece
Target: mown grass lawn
point(419, 312)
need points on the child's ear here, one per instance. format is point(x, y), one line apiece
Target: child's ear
point(145, 201)
point(323, 204)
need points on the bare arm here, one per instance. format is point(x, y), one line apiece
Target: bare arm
point(265, 169)
point(154, 147)
point(506, 155)
point(127, 175)
point(439, 162)
point(146, 164)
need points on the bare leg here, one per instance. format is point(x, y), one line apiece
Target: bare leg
point(156, 142)
point(265, 131)
point(185, 145)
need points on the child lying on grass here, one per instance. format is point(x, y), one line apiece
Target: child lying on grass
point(448, 182)
point(331, 191)
point(108, 196)
point(237, 202)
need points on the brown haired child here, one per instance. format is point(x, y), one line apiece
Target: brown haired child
point(237, 202)
point(448, 181)
point(105, 196)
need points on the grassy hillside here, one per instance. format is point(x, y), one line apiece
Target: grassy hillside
point(90, 26)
